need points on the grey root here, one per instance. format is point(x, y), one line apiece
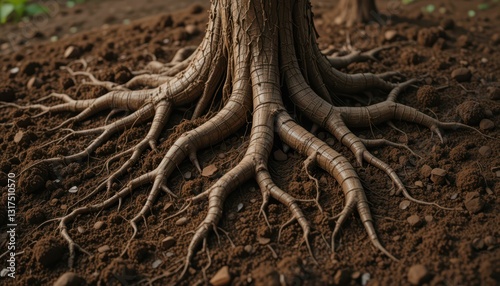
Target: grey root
point(258, 51)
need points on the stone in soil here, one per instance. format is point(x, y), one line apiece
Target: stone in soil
point(221, 278)
point(418, 274)
point(414, 220)
point(428, 96)
point(167, 242)
point(426, 171)
point(182, 221)
point(70, 279)
point(390, 35)
point(486, 124)
point(209, 171)
point(474, 203)
point(470, 112)
point(461, 74)
point(427, 36)
point(98, 225)
point(438, 176)
point(493, 92)
point(71, 52)
point(485, 151)
point(104, 248)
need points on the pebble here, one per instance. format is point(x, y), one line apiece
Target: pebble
point(478, 244)
point(209, 171)
point(192, 29)
point(98, 225)
point(495, 38)
point(490, 241)
point(486, 124)
point(390, 35)
point(104, 248)
point(438, 176)
point(418, 274)
point(71, 52)
point(493, 92)
point(239, 207)
point(69, 279)
point(355, 275)
point(73, 189)
point(419, 184)
point(263, 240)
point(342, 277)
point(182, 221)
point(187, 175)
point(80, 229)
point(461, 74)
point(64, 207)
point(18, 137)
point(222, 277)
point(474, 205)
point(248, 249)
point(454, 196)
point(404, 204)
point(34, 82)
point(414, 220)
point(4, 272)
point(365, 277)
point(53, 202)
point(167, 206)
point(167, 242)
point(429, 218)
point(14, 70)
point(426, 171)
point(157, 263)
point(330, 141)
point(485, 151)
point(280, 156)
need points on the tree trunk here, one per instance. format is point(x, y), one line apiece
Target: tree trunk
point(351, 12)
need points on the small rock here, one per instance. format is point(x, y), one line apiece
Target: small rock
point(461, 74)
point(355, 275)
point(490, 241)
point(192, 30)
point(471, 112)
point(478, 244)
point(418, 274)
point(342, 277)
point(104, 248)
point(485, 151)
point(53, 202)
point(98, 225)
point(18, 137)
point(73, 189)
point(263, 240)
point(419, 184)
point(414, 220)
point(495, 38)
point(280, 156)
point(80, 229)
point(429, 218)
point(187, 175)
point(222, 277)
point(64, 207)
point(182, 221)
point(454, 196)
point(71, 52)
point(438, 176)
point(493, 92)
point(428, 96)
point(330, 141)
point(157, 263)
point(486, 124)
point(248, 249)
point(34, 82)
point(70, 279)
point(365, 277)
point(427, 37)
point(209, 171)
point(426, 171)
point(390, 35)
point(474, 205)
point(14, 70)
point(404, 204)
point(167, 207)
point(167, 242)
point(463, 41)
point(239, 207)
point(4, 272)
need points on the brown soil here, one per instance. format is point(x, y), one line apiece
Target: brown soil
point(455, 247)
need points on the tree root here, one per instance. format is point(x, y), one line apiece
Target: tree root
point(254, 59)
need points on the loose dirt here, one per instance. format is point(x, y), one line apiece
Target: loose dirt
point(435, 246)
